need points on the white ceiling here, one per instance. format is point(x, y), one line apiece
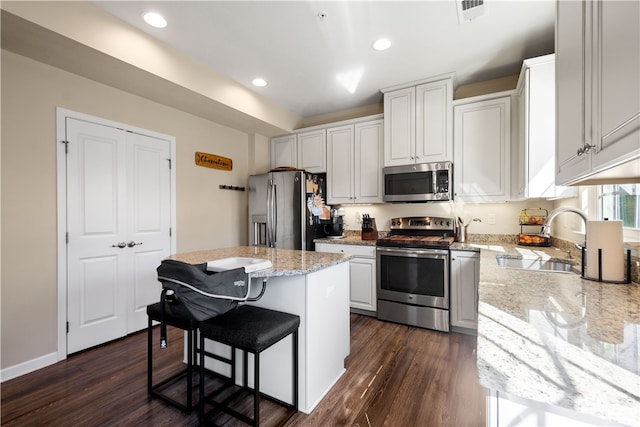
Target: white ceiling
point(301, 55)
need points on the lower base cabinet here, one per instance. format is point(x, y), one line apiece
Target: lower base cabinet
point(362, 274)
point(465, 277)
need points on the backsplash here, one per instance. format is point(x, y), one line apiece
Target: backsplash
point(505, 229)
point(495, 218)
point(492, 238)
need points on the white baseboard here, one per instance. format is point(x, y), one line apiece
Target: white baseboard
point(28, 366)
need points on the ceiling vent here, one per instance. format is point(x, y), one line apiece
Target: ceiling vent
point(468, 10)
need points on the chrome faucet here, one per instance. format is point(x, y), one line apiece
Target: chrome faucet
point(546, 227)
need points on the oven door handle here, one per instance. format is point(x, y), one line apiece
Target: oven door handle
point(426, 253)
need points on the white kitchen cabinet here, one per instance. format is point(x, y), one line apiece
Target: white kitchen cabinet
point(284, 151)
point(434, 124)
point(598, 89)
point(417, 122)
point(305, 150)
point(533, 149)
point(482, 135)
point(362, 274)
point(465, 278)
point(340, 154)
point(399, 127)
point(368, 162)
point(354, 167)
point(312, 151)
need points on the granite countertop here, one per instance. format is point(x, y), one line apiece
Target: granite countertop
point(557, 338)
point(350, 238)
point(285, 262)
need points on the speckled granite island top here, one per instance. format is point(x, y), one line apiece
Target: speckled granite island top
point(285, 262)
point(350, 238)
point(557, 338)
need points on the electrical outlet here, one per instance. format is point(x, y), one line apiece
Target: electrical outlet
point(491, 219)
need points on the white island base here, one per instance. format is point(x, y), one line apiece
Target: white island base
point(321, 299)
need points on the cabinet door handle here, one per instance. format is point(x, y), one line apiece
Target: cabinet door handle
point(585, 149)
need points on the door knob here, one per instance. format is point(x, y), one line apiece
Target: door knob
point(120, 245)
point(132, 244)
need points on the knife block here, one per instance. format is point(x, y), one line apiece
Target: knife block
point(370, 233)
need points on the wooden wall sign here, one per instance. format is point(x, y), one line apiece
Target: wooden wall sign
point(213, 161)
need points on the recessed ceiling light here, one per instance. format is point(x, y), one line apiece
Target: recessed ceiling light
point(154, 19)
point(259, 82)
point(381, 44)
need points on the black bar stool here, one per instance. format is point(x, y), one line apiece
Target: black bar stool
point(252, 330)
point(154, 312)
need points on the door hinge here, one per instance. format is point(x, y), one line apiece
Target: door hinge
point(169, 160)
point(170, 231)
point(66, 146)
point(66, 237)
point(67, 327)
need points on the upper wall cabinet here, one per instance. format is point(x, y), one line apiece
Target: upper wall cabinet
point(305, 150)
point(354, 172)
point(284, 151)
point(312, 151)
point(598, 89)
point(482, 159)
point(418, 126)
point(533, 145)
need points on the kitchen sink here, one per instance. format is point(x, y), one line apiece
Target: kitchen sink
point(536, 264)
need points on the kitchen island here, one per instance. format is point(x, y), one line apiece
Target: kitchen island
point(553, 346)
point(312, 285)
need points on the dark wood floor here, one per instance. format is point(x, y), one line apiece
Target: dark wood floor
point(395, 376)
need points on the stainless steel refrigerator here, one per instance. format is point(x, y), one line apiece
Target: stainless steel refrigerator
point(286, 209)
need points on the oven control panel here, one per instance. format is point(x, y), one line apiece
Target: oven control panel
point(422, 223)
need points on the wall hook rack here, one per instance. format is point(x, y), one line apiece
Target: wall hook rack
point(230, 187)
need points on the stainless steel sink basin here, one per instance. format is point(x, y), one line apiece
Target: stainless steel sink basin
point(552, 265)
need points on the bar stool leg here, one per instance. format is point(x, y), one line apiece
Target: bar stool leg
point(189, 369)
point(201, 385)
point(256, 389)
point(294, 356)
point(149, 356)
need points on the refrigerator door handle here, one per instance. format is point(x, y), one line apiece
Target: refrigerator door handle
point(269, 220)
point(275, 214)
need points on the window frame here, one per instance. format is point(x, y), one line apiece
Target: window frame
point(628, 234)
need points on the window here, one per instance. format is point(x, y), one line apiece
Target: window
point(621, 202)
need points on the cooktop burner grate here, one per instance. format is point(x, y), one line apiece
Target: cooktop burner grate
point(419, 232)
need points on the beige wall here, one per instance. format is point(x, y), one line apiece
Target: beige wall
point(206, 216)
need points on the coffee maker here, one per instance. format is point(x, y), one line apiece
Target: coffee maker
point(335, 226)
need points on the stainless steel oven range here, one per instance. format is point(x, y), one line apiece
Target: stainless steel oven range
point(413, 272)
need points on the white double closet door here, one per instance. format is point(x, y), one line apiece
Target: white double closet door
point(118, 225)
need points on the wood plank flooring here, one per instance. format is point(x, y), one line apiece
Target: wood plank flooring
point(395, 376)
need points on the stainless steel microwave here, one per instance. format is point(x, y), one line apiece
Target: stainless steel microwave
point(418, 183)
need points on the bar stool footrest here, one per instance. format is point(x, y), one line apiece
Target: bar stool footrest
point(222, 406)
